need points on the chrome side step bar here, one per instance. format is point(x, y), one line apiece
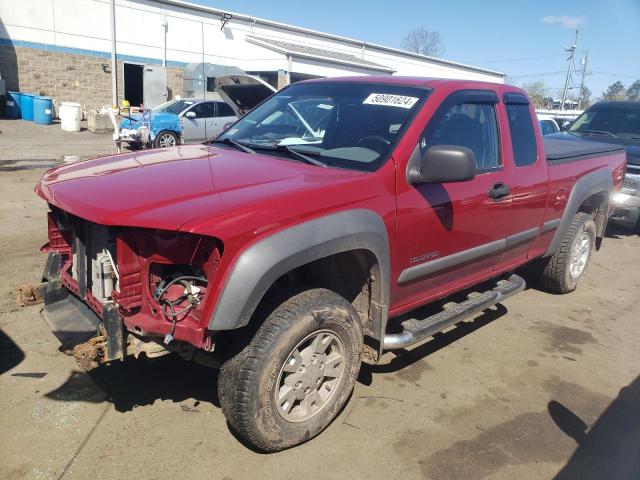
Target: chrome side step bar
point(414, 330)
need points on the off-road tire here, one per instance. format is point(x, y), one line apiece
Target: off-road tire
point(556, 275)
point(157, 140)
point(247, 381)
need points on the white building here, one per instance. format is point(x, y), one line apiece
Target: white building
point(166, 48)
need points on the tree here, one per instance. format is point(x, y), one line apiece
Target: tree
point(584, 97)
point(633, 92)
point(615, 91)
point(423, 41)
point(535, 90)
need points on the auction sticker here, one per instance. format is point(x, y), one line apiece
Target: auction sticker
point(390, 100)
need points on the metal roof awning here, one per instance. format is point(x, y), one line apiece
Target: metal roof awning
point(314, 53)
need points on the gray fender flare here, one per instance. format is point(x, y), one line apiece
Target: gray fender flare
point(598, 181)
point(262, 263)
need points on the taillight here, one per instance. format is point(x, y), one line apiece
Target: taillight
point(618, 177)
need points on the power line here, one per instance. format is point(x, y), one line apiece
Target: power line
point(616, 74)
point(544, 74)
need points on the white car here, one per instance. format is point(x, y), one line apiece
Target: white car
point(188, 120)
point(548, 125)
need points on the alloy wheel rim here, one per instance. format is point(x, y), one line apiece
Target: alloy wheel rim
point(580, 255)
point(167, 140)
point(310, 376)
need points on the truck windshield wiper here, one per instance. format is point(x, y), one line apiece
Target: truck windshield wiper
point(300, 156)
point(233, 143)
point(292, 153)
point(598, 132)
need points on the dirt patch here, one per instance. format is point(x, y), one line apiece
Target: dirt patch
point(413, 373)
point(563, 339)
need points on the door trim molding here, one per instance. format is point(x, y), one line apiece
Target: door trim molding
point(450, 261)
point(551, 225)
point(522, 237)
point(445, 263)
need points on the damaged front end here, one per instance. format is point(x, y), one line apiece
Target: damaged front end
point(111, 292)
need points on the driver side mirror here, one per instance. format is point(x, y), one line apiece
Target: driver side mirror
point(190, 114)
point(442, 164)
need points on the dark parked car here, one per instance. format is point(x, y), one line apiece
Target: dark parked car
point(616, 122)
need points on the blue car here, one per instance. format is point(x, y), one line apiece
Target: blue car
point(187, 120)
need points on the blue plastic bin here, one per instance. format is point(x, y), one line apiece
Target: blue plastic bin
point(13, 105)
point(26, 106)
point(43, 110)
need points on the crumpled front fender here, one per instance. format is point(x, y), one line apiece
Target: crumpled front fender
point(171, 123)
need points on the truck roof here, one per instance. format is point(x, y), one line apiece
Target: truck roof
point(616, 104)
point(429, 82)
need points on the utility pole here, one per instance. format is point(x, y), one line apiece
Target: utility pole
point(584, 74)
point(114, 63)
point(572, 51)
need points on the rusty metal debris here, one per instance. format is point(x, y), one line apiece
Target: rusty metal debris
point(90, 354)
point(31, 294)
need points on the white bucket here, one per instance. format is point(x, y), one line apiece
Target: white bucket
point(70, 115)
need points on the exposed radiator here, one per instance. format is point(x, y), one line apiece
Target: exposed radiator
point(92, 265)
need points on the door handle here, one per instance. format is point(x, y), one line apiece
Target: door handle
point(499, 191)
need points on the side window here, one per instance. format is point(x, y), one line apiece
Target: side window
point(203, 110)
point(523, 138)
point(224, 110)
point(471, 125)
point(547, 127)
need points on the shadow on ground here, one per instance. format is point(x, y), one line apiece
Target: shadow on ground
point(135, 383)
point(611, 448)
point(10, 353)
point(403, 358)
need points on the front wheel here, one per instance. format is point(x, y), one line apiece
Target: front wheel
point(569, 264)
point(166, 139)
point(297, 372)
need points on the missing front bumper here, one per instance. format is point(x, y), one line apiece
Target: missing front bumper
point(74, 323)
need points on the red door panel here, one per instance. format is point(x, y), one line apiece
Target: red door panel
point(437, 221)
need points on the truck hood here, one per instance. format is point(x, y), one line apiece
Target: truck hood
point(191, 188)
point(631, 146)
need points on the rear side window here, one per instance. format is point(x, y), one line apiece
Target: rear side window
point(203, 110)
point(523, 138)
point(224, 110)
point(471, 125)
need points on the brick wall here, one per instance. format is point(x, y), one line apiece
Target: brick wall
point(68, 77)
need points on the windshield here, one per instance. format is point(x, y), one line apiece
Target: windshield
point(610, 121)
point(350, 125)
point(173, 106)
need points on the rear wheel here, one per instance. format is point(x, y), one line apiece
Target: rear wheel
point(569, 264)
point(165, 139)
point(297, 372)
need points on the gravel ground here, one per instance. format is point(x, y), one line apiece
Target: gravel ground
point(544, 386)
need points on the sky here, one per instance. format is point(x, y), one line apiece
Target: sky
point(524, 39)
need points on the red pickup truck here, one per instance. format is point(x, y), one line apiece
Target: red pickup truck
point(285, 251)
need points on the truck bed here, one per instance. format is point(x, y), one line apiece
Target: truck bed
point(563, 151)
